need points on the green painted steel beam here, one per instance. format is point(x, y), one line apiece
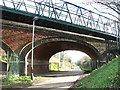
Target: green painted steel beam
point(49, 10)
point(86, 29)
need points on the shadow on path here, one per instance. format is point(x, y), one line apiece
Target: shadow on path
point(62, 73)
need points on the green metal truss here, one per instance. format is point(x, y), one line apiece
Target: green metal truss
point(65, 11)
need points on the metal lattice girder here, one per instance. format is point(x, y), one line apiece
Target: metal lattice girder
point(65, 11)
point(111, 50)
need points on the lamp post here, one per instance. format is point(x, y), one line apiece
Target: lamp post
point(117, 39)
point(34, 19)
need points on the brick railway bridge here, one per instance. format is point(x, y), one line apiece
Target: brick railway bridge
point(58, 28)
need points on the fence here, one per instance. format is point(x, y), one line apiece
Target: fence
point(12, 61)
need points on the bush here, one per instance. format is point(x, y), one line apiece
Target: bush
point(13, 79)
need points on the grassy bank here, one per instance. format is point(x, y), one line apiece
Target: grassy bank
point(104, 77)
point(20, 81)
point(85, 69)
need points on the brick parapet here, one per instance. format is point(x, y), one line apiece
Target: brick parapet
point(17, 35)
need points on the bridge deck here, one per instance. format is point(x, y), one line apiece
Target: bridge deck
point(23, 17)
point(60, 15)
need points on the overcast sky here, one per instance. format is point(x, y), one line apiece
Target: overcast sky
point(75, 55)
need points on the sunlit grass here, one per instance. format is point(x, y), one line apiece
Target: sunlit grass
point(86, 69)
point(18, 81)
point(13, 79)
point(54, 67)
point(104, 77)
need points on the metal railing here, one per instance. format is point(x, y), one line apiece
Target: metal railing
point(65, 11)
point(12, 62)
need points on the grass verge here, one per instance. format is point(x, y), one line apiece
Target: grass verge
point(20, 81)
point(85, 69)
point(103, 77)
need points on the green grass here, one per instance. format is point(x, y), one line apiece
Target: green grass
point(18, 81)
point(104, 77)
point(86, 69)
point(14, 79)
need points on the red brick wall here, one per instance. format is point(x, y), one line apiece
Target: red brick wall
point(17, 38)
point(38, 69)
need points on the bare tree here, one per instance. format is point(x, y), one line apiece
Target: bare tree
point(111, 4)
point(107, 5)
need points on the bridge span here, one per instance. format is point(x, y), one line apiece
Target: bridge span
point(59, 28)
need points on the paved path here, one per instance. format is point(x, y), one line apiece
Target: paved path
point(57, 83)
point(59, 80)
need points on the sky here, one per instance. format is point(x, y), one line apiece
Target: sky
point(83, 3)
point(75, 55)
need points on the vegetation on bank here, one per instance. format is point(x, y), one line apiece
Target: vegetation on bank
point(18, 81)
point(56, 67)
point(103, 77)
point(84, 63)
point(85, 69)
point(55, 64)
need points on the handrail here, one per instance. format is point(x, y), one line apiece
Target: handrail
point(67, 12)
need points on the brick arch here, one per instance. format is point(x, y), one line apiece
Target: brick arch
point(47, 41)
point(47, 47)
point(54, 45)
point(5, 47)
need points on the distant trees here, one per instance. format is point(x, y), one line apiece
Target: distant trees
point(64, 57)
point(3, 56)
point(64, 61)
point(84, 62)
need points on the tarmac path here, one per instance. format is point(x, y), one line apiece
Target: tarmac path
point(59, 80)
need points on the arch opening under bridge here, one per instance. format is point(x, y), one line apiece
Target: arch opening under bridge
point(69, 60)
point(47, 47)
point(4, 50)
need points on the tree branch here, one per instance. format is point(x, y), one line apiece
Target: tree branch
point(109, 7)
point(116, 5)
point(106, 13)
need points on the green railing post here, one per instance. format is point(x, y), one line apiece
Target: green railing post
point(107, 50)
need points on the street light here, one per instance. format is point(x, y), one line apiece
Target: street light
point(118, 41)
point(34, 19)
